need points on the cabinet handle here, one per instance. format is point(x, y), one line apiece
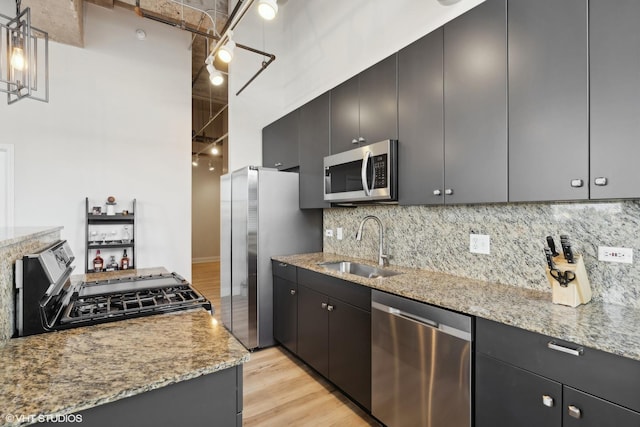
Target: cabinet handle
point(437, 192)
point(448, 191)
point(572, 351)
point(576, 183)
point(330, 308)
point(278, 164)
point(354, 141)
point(574, 411)
point(361, 139)
point(601, 181)
point(547, 400)
point(323, 305)
point(292, 291)
point(282, 264)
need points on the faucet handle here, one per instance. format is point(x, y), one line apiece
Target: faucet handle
point(384, 260)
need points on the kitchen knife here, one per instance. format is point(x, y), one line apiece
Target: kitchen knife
point(566, 248)
point(549, 255)
point(552, 246)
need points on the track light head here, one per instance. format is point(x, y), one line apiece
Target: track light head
point(268, 9)
point(225, 53)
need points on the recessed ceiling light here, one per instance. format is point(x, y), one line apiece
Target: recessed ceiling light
point(141, 34)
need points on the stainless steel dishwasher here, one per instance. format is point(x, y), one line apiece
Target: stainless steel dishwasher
point(420, 363)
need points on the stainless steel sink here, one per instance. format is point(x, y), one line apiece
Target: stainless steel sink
point(361, 270)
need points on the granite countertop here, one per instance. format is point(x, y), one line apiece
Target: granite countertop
point(67, 371)
point(607, 327)
point(11, 235)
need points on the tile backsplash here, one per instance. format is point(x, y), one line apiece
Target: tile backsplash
point(437, 238)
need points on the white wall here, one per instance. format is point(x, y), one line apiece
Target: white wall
point(118, 123)
point(318, 44)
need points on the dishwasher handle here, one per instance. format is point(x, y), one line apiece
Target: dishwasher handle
point(441, 327)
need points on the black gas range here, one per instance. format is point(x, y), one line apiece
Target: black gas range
point(48, 300)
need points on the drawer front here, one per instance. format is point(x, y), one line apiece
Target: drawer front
point(284, 270)
point(583, 410)
point(606, 375)
point(352, 293)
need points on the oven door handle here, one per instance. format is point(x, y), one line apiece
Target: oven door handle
point(363, 173)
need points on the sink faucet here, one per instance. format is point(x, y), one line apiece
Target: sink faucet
point(382, 258)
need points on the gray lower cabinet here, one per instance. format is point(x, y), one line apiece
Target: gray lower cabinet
point(364, 109)
point(280, 143)
point(475, 105)
point(527, 379)
point(313, 146)
point(285, 304)
point(334, 332)
point(549, 100)
point(614, 37)
point(420, 122)
point(212, 399)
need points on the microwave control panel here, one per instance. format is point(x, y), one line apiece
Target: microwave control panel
point(380, 171)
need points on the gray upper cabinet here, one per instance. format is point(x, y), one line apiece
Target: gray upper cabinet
point(475, 107)
point(313, 146)
point(548, 100)
point(345, 116)
point(614, 33)
point(379, 101)
point(420, 122)
point(280, 143)
point(364, 109)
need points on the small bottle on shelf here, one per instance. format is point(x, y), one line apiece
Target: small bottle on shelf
point(112, 265)
point(98, 262)
point(124, 262)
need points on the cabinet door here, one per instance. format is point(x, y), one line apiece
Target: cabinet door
point(510, 396)
point(313, 145)
point(420, 122)
point(350, 350)
point(280, 143)
point(614, 37)
point(475, 105)
point(584, 410)
point(345, 116)
point(548, 100)
point(285, 313)
point(378, 101)
point(313, 329)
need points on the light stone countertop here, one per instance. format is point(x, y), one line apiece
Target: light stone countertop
point(67, 371)
point(12, 235)
point(607, 327)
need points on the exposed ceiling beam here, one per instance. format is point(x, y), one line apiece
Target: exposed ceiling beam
point(62, 19)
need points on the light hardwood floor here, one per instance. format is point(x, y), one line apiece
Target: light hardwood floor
point(279, 390)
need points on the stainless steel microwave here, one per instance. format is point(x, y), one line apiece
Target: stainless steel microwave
point(364, 174)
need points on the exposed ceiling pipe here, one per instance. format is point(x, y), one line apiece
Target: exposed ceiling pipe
point(210, 121)
point(223, 137)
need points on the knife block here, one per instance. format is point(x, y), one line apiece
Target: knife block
point(578, 291)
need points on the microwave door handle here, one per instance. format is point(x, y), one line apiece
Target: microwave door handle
point(363, 173)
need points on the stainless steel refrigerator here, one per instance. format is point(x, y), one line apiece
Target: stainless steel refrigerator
point(259, 218)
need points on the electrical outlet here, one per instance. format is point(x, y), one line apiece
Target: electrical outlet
point(609, 254)
point(480, 244)
point(339, 233)
point(328, 232)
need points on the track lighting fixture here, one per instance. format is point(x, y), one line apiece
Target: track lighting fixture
point(268, 9)
point(225, 53)
point(26, 50)
point(215, 150)
point(211, 168)
point(195, 160)
point(215, 75)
